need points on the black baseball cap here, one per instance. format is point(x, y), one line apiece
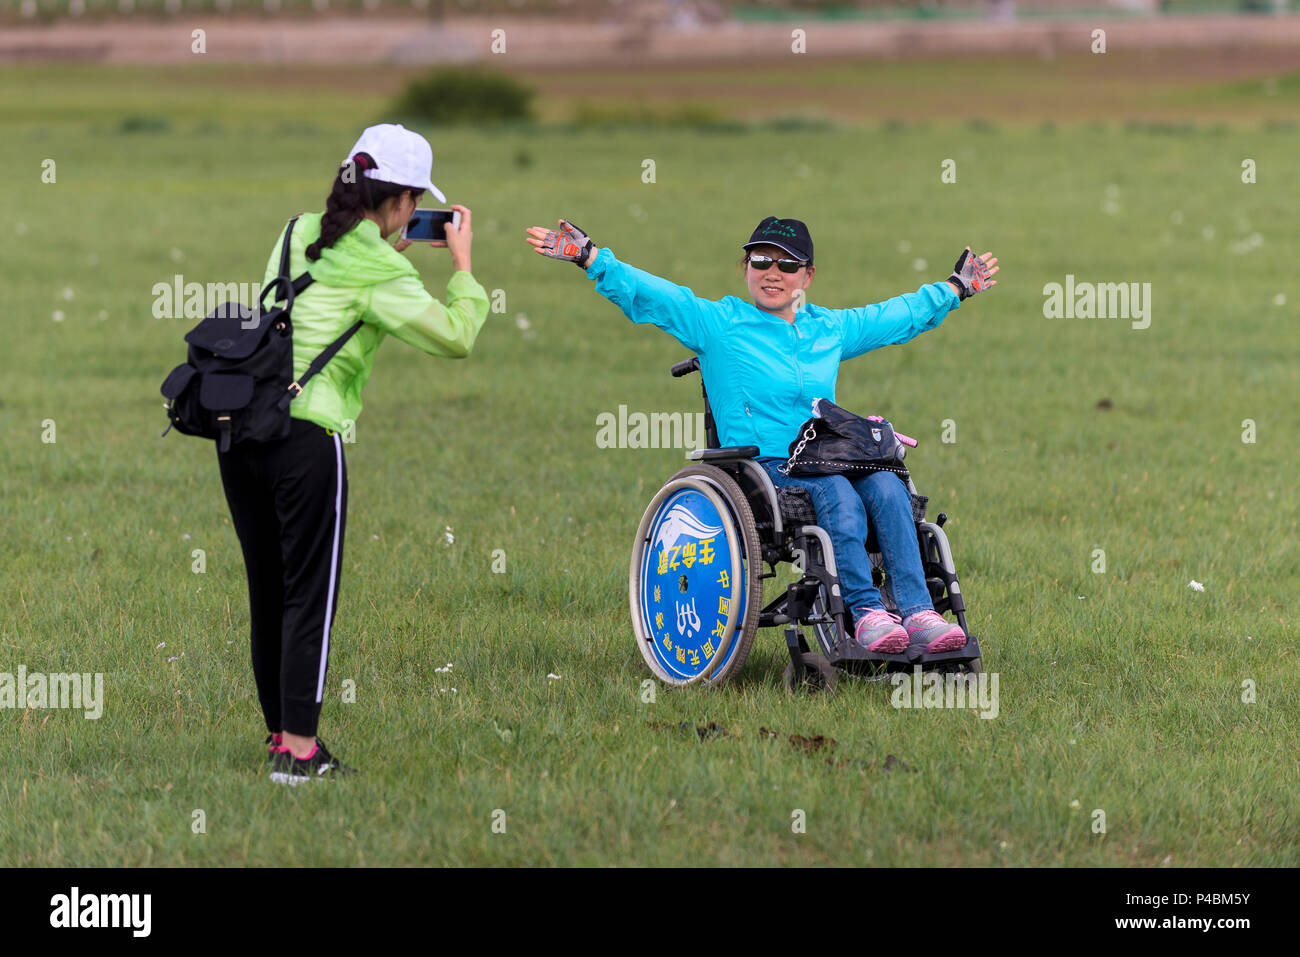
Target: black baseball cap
point(789, 234)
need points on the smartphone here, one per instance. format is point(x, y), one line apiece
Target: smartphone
point(428, 225)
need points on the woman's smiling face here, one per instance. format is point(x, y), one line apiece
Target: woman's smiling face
point(772, 289)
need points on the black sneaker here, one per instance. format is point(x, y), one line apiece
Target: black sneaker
point(287, 769)
point(273, 744)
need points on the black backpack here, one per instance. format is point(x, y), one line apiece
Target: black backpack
point(238, 380)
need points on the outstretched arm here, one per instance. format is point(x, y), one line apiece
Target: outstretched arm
point(904, 317)
point(643, 297)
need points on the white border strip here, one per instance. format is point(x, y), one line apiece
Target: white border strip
point(334, 566)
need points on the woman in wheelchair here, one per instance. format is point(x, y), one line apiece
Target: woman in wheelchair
point(764, 361)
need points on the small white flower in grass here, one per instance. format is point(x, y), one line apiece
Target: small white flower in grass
point(904, 246)
point(375, 537)
point(161, 644)
point(1279, 299)
point(1194, 585)
point(553, 676)
point(443, 670)
point(186, 536)
point(1207, 233)
point(1072, 740)
point(102, 315)
point(68, 294)
point(176, 254)
point(918, 264)
point(521, 321)
point(1002, 845)
point(450, 538)
point(172, 658)
point(1075, 803)
point(57, 315)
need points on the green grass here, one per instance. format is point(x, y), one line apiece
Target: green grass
point(1120, 690)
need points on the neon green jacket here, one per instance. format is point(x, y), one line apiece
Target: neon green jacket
point(363, 277)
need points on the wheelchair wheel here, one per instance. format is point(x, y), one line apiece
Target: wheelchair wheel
point(693, 585)
point(820, 675)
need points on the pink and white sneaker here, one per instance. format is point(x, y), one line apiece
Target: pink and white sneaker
point(881, 632)
point(934, 631)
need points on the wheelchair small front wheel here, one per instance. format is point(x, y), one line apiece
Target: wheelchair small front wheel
point(818, 675)
point(693, 585)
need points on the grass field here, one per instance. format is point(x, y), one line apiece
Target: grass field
point(1120, 691)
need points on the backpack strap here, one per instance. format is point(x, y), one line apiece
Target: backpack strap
point(295, 388)
point(285, 288)
point(292, 288)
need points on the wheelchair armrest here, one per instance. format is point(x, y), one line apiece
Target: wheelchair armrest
point(729, 454)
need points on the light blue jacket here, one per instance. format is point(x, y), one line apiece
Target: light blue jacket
point(762, 372)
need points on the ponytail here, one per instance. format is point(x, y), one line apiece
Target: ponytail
point(352, 194)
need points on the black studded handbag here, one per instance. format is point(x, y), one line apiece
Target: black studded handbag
point(838, 442)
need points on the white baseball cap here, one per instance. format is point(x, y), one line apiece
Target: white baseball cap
point(402, 156)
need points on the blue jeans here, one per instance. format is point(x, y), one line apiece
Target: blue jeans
point(843, 506)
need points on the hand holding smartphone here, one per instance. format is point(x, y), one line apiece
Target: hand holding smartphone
point(430, 225)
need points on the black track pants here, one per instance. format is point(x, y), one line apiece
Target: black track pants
point(288, 502)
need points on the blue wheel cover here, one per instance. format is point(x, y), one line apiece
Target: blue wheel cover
point(687, 589)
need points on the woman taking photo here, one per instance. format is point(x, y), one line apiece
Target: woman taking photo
point(288, 499)
point(763, 363)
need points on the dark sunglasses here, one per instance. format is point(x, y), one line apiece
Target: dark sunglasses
point(764, 263)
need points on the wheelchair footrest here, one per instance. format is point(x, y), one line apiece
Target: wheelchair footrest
point(969, 653)
point(852, 656)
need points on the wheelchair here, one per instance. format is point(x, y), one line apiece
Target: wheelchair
point(695, 582)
